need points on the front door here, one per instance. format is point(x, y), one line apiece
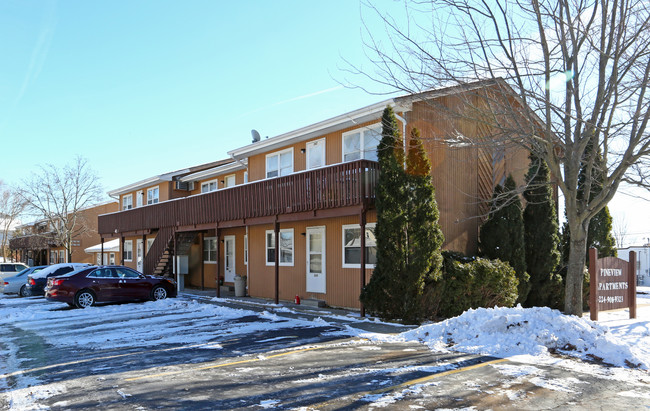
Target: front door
point(229, 258)
point(140, 255)
point(316, 278)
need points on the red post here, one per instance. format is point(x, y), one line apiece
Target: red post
point(632, 283)
point(593, 284)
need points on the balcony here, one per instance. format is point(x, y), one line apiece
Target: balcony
point(347, 187)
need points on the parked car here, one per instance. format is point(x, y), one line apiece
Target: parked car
point(11, 269)
point(111, 283)
point(36, 282)
point(18, 283)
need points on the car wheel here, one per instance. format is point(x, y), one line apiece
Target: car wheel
point(158, 293)
point(84, 299)
point(23, 291)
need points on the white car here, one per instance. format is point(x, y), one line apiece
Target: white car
point(11, 269)
point(18, 283)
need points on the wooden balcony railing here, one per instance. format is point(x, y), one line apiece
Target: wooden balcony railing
point(341, 185)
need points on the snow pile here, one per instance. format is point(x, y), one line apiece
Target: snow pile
point(506, 332)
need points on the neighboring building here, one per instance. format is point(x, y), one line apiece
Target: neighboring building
point(109, 249)
point(642, 262)
point(37, 244)
point(314, 188)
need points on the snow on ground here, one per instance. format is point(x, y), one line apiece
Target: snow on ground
point(532, 335)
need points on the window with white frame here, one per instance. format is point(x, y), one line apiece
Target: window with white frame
point(352, 246)
point(128, 250)
point(286, 247)
point(245, 177)
point(62, 256)
point(361, 143)
point(139, 196)
point(53, 257)
point(210, 250)
point(153, 195)
point(111, 259)
point(127, 202)
point(245, 249)
point(150, 243)
point(209, 186)
point(229, 181)
point(279, 164)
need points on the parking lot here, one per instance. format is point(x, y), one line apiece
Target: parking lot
point(191, 353)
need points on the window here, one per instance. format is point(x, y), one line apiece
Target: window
point(111, 259)
point(209, 186)
point(123, 272)
point(352, 246)
point(150, 243)
point(62, 256)
point(245, 249)
point(245, 177)
point(152, 195)
point(53, 257)
point(139, 198)
point(361, 143)
point(279, 164)
point(210, 250)
point(286, 247)
point(315, 153)
point(127, 202)
point(229, 181)
point(128, 250)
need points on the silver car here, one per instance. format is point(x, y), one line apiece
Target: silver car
point(11, 269)
point(18, 283)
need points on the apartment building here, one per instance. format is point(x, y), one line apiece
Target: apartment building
point(37, 244)
point(293, 212)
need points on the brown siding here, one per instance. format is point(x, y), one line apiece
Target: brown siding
point(343, 284)
point(333, 151)
point(239, 179)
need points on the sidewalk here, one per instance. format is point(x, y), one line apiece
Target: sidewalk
point(339, 316)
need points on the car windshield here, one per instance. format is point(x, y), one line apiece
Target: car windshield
point(23, 272)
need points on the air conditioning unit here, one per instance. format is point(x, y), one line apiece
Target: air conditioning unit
point(185, 185)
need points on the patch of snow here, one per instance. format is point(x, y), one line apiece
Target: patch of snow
point(269, 403)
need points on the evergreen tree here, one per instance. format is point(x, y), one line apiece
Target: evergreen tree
point(425, 237)
point(502, 235)
point(385, 293)
point(407, 231)
point(541, 237)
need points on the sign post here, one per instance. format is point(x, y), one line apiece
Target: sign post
point(612, 284)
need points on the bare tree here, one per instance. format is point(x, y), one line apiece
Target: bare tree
point(11, 207)
point(571, 86)
point(58, 195)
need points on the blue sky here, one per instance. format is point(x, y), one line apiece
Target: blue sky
point(145, 87)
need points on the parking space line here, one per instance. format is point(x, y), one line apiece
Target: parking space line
point(207, 367)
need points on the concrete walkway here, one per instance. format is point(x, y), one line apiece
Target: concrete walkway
point(339, 316)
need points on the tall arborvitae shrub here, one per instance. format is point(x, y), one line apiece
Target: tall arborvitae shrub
point(541, 237)
point(425, 238)
point(502, 235)
point(385, 292)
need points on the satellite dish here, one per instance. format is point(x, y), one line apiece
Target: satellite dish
point(256, 136)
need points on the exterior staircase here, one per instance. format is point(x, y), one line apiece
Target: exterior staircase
point(163, 247)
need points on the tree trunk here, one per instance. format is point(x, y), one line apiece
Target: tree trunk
point(575, 269)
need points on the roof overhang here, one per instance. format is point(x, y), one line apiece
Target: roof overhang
point(350, 119)
point(215, 171)
point(141, 184)
point(109, 246)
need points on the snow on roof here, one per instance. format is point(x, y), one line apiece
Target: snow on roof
point(109, 246)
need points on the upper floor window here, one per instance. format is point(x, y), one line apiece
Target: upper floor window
point(362, 143)
point(153, 195)
point(127, 202)
point(139, 197)
point(279, 164)
point(209, 186)
point(229, 181)
point(315, 153)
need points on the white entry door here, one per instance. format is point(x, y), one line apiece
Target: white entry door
point(140, 255)
point(229, 257)
point(316, 279)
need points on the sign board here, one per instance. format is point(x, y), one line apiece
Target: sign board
point(612, 284)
